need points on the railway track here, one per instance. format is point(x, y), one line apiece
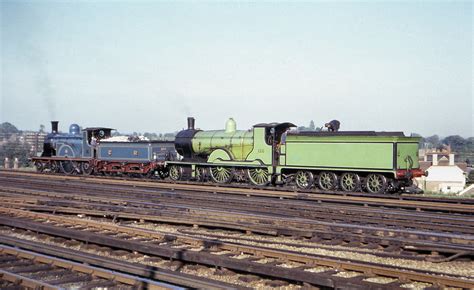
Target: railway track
point(279, 264)
point(361, 226)
point(395, 239)
point(412, 202)
point(125, 216)
point(32, 270)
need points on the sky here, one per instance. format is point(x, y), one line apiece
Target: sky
point(145, 66)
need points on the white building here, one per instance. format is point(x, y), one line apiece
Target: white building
point(443, 176)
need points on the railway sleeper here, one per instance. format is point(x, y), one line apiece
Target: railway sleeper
point(247, 265)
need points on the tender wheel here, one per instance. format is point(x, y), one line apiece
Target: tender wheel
point(39, 166)
point(66, 167)
point(221, 174)
point(376, 183)
point(201, 173)
point(327, 180)
point(87, 168)
point(350, 182)
point(258, 176)
point(175, 172)
point(304, 179)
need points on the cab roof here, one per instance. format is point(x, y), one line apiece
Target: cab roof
point(275, 125)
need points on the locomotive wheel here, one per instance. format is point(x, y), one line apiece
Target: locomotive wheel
point(350, 182)
point(327, 180)
point(39, 166)
point(54, 167)
point(376, 183)
point(304, 179)
point(221, 174)
point(258, 176)
point(201, 173)
point(87, 168)
point(66, 167)
point(175, 172)
point(163, 173)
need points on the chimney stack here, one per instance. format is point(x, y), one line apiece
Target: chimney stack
point(451, 159)
point(191, 123)
point(435, 159)
point(54, 126)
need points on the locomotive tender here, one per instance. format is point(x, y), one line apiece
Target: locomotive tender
point(269, 153)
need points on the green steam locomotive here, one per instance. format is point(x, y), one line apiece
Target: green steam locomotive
point(272, 153)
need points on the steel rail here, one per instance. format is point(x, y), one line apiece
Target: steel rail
point(36, 258)
point(144, 271)
point(413, 239)
point(432, 204)
point(332, 213)
point(247, 265)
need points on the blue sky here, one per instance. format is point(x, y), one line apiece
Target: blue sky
point(147, 65)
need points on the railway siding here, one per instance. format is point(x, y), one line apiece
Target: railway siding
point(207, 254)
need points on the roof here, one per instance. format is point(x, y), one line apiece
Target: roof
point(97, 128)
point(275, 124)
point(349, 133)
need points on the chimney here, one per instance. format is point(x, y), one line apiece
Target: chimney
point(191, 123)
point(451, 159)
point(435, 159)
point(54, 126)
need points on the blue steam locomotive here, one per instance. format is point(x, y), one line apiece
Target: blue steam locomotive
point(90, 151)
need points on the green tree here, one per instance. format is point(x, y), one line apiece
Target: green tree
point(8, 128)
point(456, 142)
point(432, 141)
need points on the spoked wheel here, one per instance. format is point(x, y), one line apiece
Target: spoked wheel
point(87, 168)
point(304, 179)
point(54, 166)
point(327, 180)
point(163, 173)
point(201, 173)
point(221, 174)
point(258, 176)
point(39, 166)
point(376, 183)
point(175, 172)
point(66, 167)
point(350, 182)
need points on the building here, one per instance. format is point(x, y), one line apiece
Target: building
point(34, 139)
point(444, 176)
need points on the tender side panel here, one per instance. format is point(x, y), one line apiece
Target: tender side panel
point(340, 155)
point(125, 152)
point(407, 156)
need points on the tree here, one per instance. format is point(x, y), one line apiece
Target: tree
point(456, 142)
point(41, 128)
point(433, 141)
point(8, 128)
point(311, 125)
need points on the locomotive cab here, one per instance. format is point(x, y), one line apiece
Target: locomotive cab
point(91, 138)
point(98, 133)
